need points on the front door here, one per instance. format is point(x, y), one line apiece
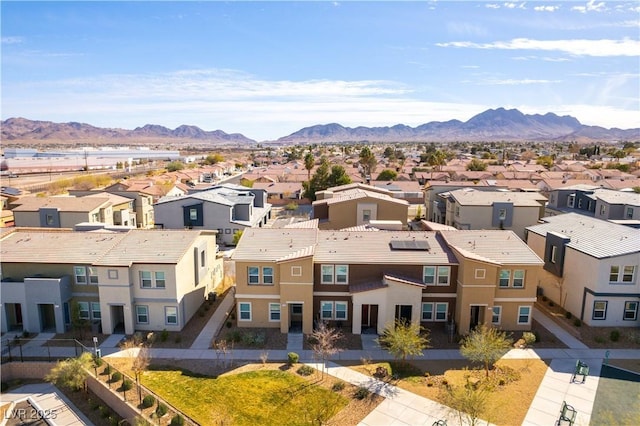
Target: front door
point(295, 318)
point(474, 317)
point(369, 317)
point(403, 313)
point(117, 319)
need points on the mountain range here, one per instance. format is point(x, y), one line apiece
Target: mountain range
point(492, 125)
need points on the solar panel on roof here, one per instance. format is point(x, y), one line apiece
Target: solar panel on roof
point(409, 245)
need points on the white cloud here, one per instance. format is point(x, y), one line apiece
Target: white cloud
point(540, 58)
point(512, 5)
point(591, 6)
point(515, 82)
point(492, 6)
point(12, 40)
point(546, 8)
point(600, 48)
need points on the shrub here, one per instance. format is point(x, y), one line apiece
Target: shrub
point(201, 312)
point(305, 370)
point(97, 361)
point(229, 324)
point(337, 386)
point(292, 358)
point(148, 401)
point(104, 411)
point(529, 338)
point(107, 370)
point(177, 420)
point(614, 335)
point(234, 336)
point(164, 335)
point(599, 339)
point(116, 377)
point(537, 334)
point(577, 322)
point(126, 385)
point(551, 304)
point(161, 409)
point(361, 393)
point(567, 315)
point(545, 298)
point(291, 206)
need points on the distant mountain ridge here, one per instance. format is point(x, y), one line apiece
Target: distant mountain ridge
point(25, 129)
point(492, 125)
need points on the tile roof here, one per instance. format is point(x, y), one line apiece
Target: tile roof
point(273, 244)
point(618, 197)
point(595, 237)
point(63, 204)
point(471, 197)
point(355, 194)
point(492, 246)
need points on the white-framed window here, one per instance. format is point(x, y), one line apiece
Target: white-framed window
point(630, 311)
point(444, 273)
point(93, 274)
point(142, 314)
point(434, 311)
point(160, 280)
point(524, 314)
point(496, 315)
point(457, 211)
point(628, 273)
point(580, 203)
point(193, 214)
point(629, 212)
point(49, 219)
point(502, 214)
point(80, 273)
point(274, 312)
point(267, 275)
point(480, 274)
point(244, 310)
point(145, 279)
point(253, 272)
point(296, 271)
point(326, 310)
point(171, 315)
point(112, 274)
point(571, 201)
point(366, 215)
point(429, 275)
point(614, 272)
point(554, 254)
point(603, 209)
point(95, 310)
point(518, 278)
point(600, 310)
point(341, 311)
point(83, 308)
point(334, 274)
point(505, 277)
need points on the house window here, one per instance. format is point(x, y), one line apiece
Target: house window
point(142, 314)
point(203, 258)
point(193, 214)
point(439, 308)
point(600, 310)
point(603, 210)
point(80, 273)
point(335, 274)
point(95, 310)
point(457, 211)
point(160, 281)
point(496, 315)
point(274, 312)
point(628, 273)
point(502, 214)
point(524, 314)
point(327, 274)
point(429, 275)
point(580, 203)
point(93, 275)
point(629, 212)
point(267, 275)
point(245, 311)
point(630, 311)
point(505, 277)
point(518, 278)
point(571, 200)
point(427, 312)
point(227, 231)
point(171, 315)
point(554, 253)
point(83, 308)
point(441, 311)
point(443, 275)
point(326, 310)
point(49, 219)
point(480, 273)
point(296, 271)
point(145, 279)
point(112, 274)
point(341, 310)
point(254, 275)
point(95, 217)
point(614, 271)
point(366, 215)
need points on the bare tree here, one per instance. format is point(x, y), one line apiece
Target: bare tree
point(324, 346)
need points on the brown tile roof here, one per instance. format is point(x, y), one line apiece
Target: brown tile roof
point(273, 244)
point(63, 204)
point(492, 246)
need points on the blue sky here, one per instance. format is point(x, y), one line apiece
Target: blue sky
point(267, 69)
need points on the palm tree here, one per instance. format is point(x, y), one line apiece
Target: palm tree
point(309, 162)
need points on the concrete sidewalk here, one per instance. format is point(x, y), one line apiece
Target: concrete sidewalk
point(215, 323)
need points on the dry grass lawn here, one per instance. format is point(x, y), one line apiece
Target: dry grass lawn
point(512, 380)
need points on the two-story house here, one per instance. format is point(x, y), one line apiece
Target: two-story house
point(293, 278)
point(121, 281)
point(62, 212)
point(435, 206)
point(228, 209)
point(590, 268)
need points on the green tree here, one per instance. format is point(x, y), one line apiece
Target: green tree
point(309, 162)
point(469, 401)
point(213, 159)
point(174, 166)
point(476, 165)
point(485, 344)
point(368, 161)
point(236, 238)
point(246, 182)
point(545, 160)
point(436, 159)
point(404, 339)
point(78, 323)
point(71, 373)
point(323, 179)
point(388, 174)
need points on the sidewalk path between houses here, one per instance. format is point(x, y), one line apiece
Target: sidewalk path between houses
point(213, 326)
